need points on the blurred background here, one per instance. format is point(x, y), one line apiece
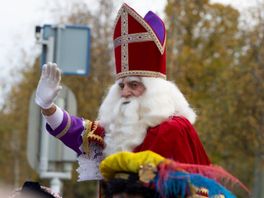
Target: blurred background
point(215, 54)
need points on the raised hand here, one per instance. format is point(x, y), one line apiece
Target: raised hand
point(48, 86)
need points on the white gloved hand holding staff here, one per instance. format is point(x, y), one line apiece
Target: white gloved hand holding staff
point(48, 86)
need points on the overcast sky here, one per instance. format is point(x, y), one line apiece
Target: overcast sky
point(19, 17)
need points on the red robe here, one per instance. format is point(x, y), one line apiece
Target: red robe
point(176, 139)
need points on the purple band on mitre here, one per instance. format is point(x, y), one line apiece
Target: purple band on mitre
point(157, 25)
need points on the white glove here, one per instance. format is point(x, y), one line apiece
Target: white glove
point(48, 86)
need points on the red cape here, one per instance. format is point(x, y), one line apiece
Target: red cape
point(175, 139)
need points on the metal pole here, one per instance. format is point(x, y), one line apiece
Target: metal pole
point(56, 185)
point(50, 50)
point(43, 164)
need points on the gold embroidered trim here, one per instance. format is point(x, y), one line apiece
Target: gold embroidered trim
point(90, 128)
point(94, 136)
point(87, 128)
point(138, 18)
point(132, 38)
point(65, 130)
point(141, 73)
point(124, 46)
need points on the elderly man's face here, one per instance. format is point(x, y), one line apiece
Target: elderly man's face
point(131, 87)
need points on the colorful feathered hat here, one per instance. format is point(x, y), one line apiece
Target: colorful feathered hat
point(170, 178)
point(139, 44)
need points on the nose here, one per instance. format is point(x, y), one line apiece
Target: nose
point(126, 92)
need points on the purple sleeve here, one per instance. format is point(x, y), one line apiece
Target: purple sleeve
point(69, 131)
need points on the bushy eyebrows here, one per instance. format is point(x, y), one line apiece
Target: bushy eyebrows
point(133, 82)
point(134, 79)
point(129, 80)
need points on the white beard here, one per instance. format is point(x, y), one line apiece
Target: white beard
point(126, 130)
point(126, 120)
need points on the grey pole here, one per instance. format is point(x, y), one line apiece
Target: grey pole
point(43, 166)
point(56, 185)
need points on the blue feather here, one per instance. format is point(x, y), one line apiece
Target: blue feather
point(178, 184)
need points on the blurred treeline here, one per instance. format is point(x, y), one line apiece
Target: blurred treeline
point(215, 57)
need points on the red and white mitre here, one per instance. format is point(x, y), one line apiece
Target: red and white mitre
point(139, 44)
